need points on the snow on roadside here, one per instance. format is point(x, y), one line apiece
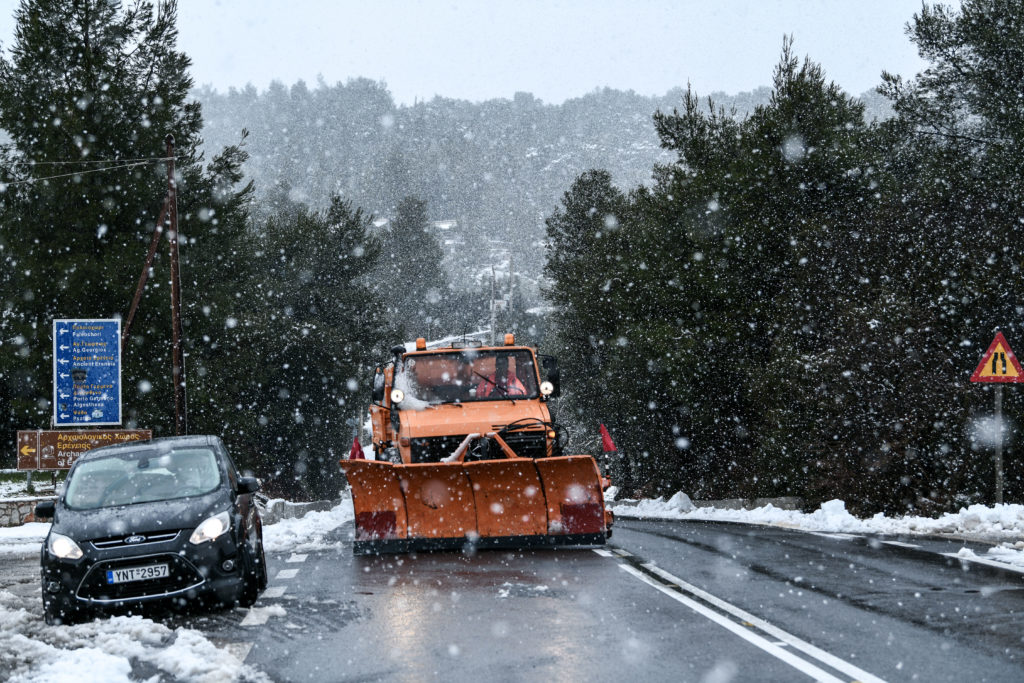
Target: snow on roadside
point(1003, 522)
point(105, 650)
point(23, 540)
point(310, 532)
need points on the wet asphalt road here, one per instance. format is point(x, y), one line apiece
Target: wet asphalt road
point(666, 601)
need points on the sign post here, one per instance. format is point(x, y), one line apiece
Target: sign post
point(999, 364)
point(86, 372)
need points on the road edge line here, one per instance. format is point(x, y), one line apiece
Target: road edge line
point(822, 656)
point(797, 663)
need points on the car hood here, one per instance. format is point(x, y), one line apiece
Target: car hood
point(140, 518)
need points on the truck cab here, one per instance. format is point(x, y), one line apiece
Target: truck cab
point(428, 400)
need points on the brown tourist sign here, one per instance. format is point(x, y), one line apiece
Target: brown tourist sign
point(58, 449)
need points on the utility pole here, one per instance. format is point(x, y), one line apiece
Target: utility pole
point(177, 355)
point(493, 314)
point(169, 214)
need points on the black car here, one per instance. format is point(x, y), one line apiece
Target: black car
point(164, 520)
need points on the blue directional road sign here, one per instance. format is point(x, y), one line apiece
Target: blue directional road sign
point(86, 372)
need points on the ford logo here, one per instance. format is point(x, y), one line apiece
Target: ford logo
point(135, 539)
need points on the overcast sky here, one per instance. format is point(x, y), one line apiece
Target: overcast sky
point(555, 49)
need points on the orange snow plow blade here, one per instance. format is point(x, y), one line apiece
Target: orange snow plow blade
point(510, 503)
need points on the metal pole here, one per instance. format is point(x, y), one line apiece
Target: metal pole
point(153, 244)
point(492, 306)
point(999, 444)
point(177, 360)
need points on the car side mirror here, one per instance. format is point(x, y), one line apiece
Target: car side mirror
point(46, 509)
point(248, 485)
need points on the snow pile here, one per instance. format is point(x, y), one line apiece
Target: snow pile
point(314, 531)
point(104, 650)
point(23, 540)
point(1004, 522)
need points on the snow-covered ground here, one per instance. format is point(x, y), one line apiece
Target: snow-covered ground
point(1002, 524)
point(106, 650)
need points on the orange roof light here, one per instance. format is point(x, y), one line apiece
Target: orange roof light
point(510, 339)
point(421, 344)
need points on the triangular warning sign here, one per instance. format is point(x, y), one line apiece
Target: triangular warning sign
point(999, 364)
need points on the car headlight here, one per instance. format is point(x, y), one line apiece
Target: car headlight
point(63, 547)
point(211, 528)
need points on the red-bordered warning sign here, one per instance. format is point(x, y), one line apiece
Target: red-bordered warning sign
point(999, 364)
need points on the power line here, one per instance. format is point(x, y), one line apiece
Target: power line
point(134, 164)
point(90, 161)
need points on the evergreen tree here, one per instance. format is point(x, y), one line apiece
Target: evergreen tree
point(307, 338)
point(413, 281)
point(88, 92)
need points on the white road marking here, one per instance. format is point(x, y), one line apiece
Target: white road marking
point(840, 536)
point(986, 561)
point(901, 544)
point(824, 657)
point(238, 650)
point(743, 632)
point(297, 558)
point(603, 553)
point(287, 574)
point(274, 591)
point(255, 617)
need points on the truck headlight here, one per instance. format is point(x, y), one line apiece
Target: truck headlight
point(397, 396)
point(63, 547)
point(211, 528)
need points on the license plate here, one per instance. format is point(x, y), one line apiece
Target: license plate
point(128, 574)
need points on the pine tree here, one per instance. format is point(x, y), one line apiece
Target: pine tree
point(412, 270)
point(306, 346)
point(88, 92)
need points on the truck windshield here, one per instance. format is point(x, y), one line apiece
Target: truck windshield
point(469, 375)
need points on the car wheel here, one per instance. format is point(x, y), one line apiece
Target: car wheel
point(251, 566)
point(262, 571)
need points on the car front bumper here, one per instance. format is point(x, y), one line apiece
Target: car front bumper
point(195, 572)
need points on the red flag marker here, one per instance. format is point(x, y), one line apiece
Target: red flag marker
point(607, 445)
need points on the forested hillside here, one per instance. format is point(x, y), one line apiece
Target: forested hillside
point(498, 167)
point(781, 293)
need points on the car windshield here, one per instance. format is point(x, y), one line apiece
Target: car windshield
point(142, 476)
point(469, 375)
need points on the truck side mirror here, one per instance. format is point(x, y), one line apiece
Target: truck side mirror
point(248, 485)
point(378, 385)
point(46, 509)
point(550, 365)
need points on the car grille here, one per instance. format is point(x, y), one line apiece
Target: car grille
point(182, 575)
point(120, 541)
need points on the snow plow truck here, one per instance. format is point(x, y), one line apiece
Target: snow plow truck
point(468, 456)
